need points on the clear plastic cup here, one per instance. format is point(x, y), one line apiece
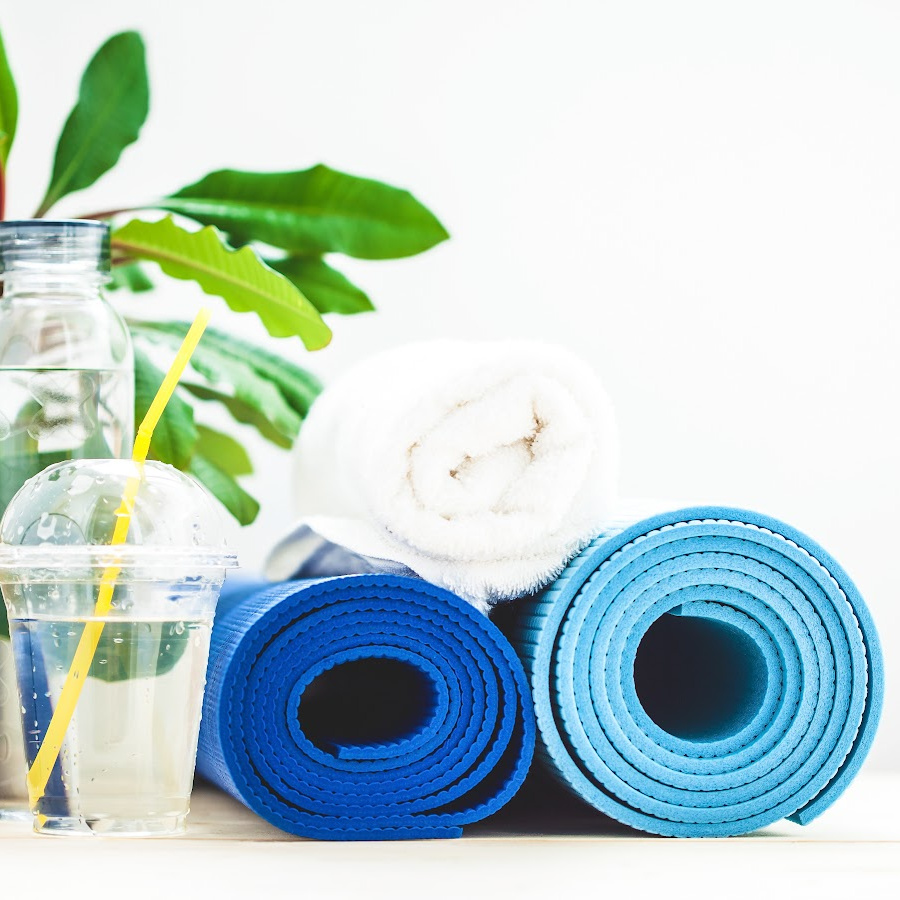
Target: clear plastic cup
point(13, 796)
point(127, 762)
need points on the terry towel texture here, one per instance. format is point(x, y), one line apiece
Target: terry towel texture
point(364, 707)
point(703, 672)
point(481, 467)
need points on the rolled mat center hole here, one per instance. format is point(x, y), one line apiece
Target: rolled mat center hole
point(366, 701)
point(699, 679)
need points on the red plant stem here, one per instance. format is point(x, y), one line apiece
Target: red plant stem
point(109, 213)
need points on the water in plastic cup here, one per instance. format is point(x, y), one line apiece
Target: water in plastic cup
point(126, 766)
point(13, 796)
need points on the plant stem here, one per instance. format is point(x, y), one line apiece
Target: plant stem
point(109, 213)
point(2, 192)
point(44, 208)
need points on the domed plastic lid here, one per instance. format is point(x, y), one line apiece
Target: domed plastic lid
point(65, 516)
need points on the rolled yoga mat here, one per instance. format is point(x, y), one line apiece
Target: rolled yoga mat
point(703, 672)
point(363, 707)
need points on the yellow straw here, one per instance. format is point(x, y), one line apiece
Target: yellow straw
point(41, 768)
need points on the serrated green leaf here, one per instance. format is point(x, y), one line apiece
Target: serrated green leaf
point(314, 211)
point(9, 107)
point(326, 288)
point(240, 277)
point(229, 454)
point(298, 386)
point(175, 435)
point(244, 413)
point(113, 102)
point(130, 277)
point(225, 489)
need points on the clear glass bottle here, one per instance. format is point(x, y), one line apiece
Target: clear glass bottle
point(66, 362)
point(66, 387)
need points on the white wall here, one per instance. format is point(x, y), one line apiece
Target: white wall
point(701, 198)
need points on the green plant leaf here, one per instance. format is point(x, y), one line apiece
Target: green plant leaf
point(298, 386)
point(112, 105)
point(313, 211)
point(175, 435)
point(126, 649)
point(229, 454)
point(9, 107)
point(220, 368)
point(178, 441)
point(240, 277)
point(225, 489)
point(244, 413)
point(130, 277)
point(326, 288)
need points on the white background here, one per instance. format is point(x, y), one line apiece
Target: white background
point(700, 198)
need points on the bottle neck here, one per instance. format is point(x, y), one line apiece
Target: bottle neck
point(49, 285)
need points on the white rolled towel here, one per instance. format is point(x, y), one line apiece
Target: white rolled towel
point(483, 467)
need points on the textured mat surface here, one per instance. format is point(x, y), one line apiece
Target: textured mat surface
point(363, 707)
point(703, 672)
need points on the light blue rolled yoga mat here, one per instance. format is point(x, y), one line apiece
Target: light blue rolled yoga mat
point(703, 672)
point(363, 707)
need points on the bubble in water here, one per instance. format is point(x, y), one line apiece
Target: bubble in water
point(118, 640)
point(179, 628)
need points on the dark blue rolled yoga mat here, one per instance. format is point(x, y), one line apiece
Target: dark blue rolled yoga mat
point(363, 707)
point(703, 672)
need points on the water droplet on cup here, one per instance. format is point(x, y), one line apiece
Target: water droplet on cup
point(45, 526)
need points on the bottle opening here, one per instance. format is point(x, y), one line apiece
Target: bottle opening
point(54, 247)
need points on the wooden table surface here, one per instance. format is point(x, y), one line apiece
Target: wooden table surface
point(852, 851)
